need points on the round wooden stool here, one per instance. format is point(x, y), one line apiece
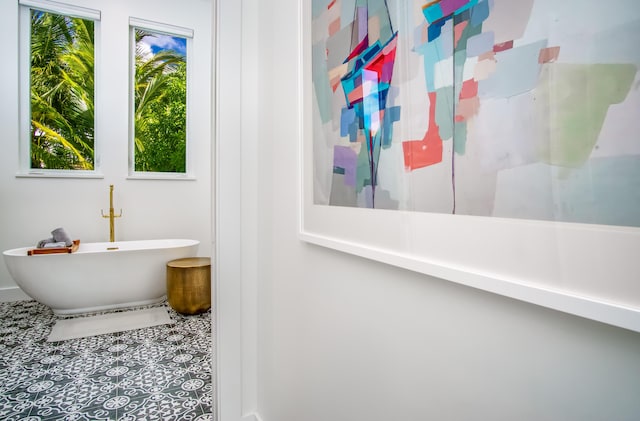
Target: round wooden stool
point(189, 285)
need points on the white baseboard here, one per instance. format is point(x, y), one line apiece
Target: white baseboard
point(252, 417)
point(12, 294)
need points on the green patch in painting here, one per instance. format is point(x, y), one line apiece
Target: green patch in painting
point(459, 59)
point(460, 138)
point(363, 174)
point(444, 111)
point(572, 104)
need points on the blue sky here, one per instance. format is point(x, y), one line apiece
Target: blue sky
point(161, 42)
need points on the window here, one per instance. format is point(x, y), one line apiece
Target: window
point(159, 103)
point(58, 58)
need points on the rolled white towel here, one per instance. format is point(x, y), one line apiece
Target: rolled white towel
point(44, 242)
point(55, 245)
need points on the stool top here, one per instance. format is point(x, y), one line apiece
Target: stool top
point(190, 262)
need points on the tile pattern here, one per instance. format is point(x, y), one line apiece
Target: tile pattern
point(157, 373)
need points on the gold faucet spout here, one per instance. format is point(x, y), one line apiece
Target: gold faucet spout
point(112, 215)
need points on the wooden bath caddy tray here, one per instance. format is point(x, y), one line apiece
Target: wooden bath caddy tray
point(55, 250)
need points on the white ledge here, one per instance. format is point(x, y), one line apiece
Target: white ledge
point(60, 174)
point(615, 314)
point(161, 176)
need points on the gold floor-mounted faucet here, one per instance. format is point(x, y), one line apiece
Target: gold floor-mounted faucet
point(112, 216)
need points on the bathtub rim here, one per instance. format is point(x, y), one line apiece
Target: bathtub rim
point(88, 248)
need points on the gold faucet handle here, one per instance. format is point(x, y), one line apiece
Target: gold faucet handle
point(109, 216)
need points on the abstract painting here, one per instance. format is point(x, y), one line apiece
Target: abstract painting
point(523, 109)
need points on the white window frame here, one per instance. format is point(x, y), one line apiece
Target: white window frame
point(175, 31)
point(24, 61)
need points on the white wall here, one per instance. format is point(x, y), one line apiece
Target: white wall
point(31, 207)
point(343, 338)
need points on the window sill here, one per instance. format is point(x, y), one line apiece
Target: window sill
point(161, 176)
point(60, 174)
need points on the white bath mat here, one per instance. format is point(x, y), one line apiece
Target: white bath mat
point(82, 327)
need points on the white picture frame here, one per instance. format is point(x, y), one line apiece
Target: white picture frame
point(588, 270)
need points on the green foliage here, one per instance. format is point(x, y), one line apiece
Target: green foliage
point(161, 128)
point(160, 110)
point(62, 89)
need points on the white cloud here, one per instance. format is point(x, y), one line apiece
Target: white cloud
point(163, 42)
point(145, 49)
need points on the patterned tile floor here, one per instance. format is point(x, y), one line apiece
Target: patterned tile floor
point(156, 373)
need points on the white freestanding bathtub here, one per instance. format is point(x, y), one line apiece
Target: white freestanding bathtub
point(98, 276)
